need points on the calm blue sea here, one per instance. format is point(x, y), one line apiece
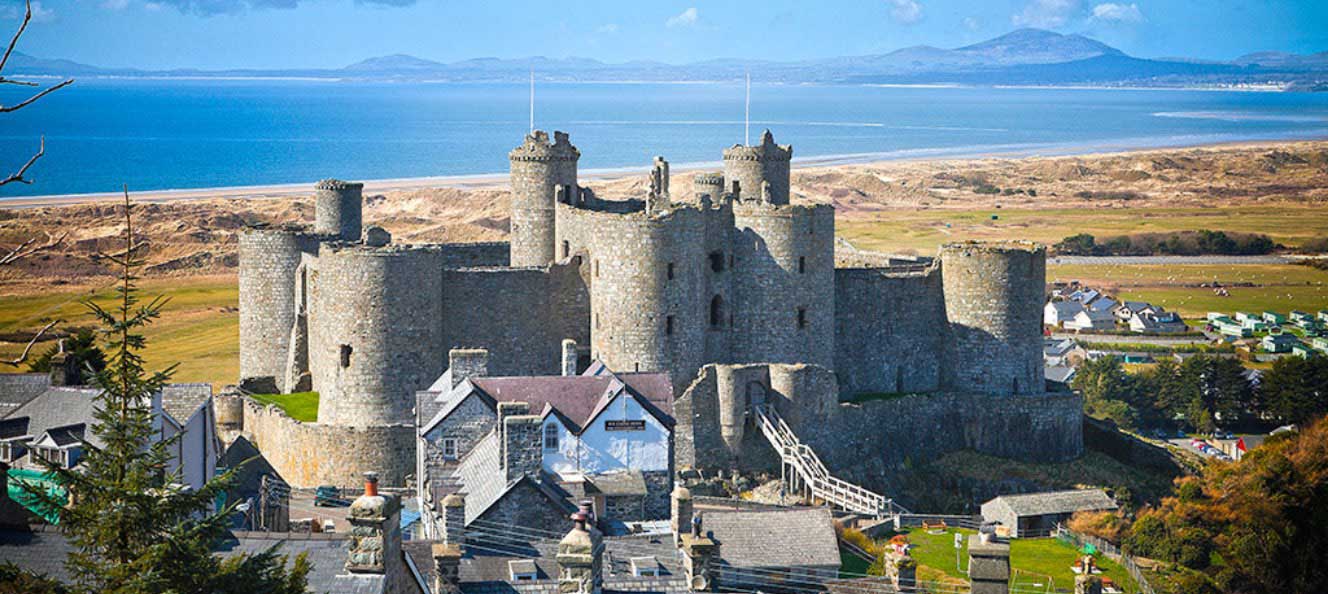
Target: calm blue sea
point(157, 135)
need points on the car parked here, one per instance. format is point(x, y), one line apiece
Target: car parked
point(327, 495)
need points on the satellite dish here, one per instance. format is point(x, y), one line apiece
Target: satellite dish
point(700, 583)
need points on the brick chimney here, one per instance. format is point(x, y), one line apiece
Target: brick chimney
point(988, 564)
point(375, 535)
point(454, 520)
point(467, 363)
point(580, 559)
point(446, 568)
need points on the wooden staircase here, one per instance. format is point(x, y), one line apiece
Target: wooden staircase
point(803, 472)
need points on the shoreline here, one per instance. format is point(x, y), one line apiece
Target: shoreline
point(499, 179)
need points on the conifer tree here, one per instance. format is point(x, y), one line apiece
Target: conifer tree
point(132, 527)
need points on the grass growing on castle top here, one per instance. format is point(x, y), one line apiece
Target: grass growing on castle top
point(301, 406)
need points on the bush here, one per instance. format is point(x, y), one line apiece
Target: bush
point(1177, 243)
point(1108, 526)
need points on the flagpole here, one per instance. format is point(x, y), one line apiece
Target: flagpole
point(747, 114)
point(532, 100)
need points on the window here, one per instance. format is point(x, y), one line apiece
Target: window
point(567, 248)
point(11, 450)
point(802, 317)
point(668, 325)
point(802, 264)
point(716, 312)
point(551, 437)
point(717, 261)
point(670, 270)
point(449, 448)
point(345, 356)
point(596, 268)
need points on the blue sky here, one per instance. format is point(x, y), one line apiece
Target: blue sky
point(333, 33)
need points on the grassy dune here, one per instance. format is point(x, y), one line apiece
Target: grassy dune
point(198, 328)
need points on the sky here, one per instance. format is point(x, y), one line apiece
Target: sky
point(218, 34)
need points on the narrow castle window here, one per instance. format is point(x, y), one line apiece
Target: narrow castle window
point(668, 325)
point(670, 269)
point(596, 268)
point(802, 317)
point(717, 261)
point(716, 312)
point(567, 248)
point(345, 356)
point(802, 264)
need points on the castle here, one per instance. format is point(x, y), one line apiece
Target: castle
point(727, 287)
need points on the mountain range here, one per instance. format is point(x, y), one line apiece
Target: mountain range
point(1022, 57)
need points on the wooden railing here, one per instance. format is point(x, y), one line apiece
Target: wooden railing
point(810, 475)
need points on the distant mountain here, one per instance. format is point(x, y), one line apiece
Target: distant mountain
point(1024, 56)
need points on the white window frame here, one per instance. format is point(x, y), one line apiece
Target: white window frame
point(450, 443)
point(556, 434)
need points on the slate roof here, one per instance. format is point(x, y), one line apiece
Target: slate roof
point(67, 435)
point(630, 482)
point(1059, 373)
point(44, 550)
point(1065, 310)
point(18, 388)
point(1055, 502)
point(182, 400)
point(778, 538)
point(580, 397)
point(485, 567)
point(11, 428)
point(481, 476)
point(1104, 304)
point(59, 407)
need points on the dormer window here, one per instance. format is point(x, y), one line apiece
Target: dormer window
point(645, 567)
point(523, 570)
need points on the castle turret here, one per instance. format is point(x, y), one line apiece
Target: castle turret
point(337, 209)
point(993, 293)
point(709, 184)
point(539, 168)
point(755, 166)
point(270, 263)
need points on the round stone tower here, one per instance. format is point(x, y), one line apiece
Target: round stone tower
point(538, 168)
point(269, 264)
point(374, 336)
point(754, 166)
point(711, 184)
point(993, 301)
point(337, 209)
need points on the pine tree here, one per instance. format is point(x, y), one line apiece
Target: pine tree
point(132, 527)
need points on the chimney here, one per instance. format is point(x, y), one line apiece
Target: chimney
point(465, 364)
point(681, 517)
point(454, 520)
point(375, 534)
point(65, 368)
point(900, 568)
point(1085, 582)
point(580, 559)
point(569, 357)
point(446, 568)
point(699, 554)
point(988, 564)
point(522, 454)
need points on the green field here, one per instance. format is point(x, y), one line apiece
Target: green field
point(922, 230)
point(198, 328)
point(1280, 288)
point(301, 406)
point(1037, 563)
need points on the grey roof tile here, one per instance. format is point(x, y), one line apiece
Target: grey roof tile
point(1056, 502)
point(18, 388)
point(780, 538)
point(182, 400)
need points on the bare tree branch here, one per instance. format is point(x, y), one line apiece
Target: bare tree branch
point(28, 248)
point(28, 349)
point(17, 177)
point(27, 17)
point(34, 98)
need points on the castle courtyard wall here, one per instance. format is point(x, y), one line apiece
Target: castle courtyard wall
point(890, 330)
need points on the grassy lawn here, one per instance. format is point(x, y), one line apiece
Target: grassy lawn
point(199, 327)
point(1039, 563)
point(1280, 288)
point(923, 230)
point(301, 406)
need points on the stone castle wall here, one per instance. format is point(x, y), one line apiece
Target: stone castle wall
point(890, 330)
point(338, 208)
point(307, 455)
point(992, 294)
point(270, 262)
point(538, 168)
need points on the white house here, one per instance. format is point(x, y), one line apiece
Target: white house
point(1157, 320)
point(1091, 320)
point(1057, 313)
point(1128, 309)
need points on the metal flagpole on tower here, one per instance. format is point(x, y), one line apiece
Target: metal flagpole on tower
point(747, 114)
point(532, 100)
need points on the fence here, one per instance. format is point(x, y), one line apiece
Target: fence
point(1112, 552)
point(953, 521)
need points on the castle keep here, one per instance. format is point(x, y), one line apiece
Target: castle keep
point(727, 287)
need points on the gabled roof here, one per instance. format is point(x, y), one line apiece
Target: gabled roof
point(59, 407)
point(66, 435)
point(1055, 502)
point(780, 538)
point(181, 401)
point(1135, 306)
point(484, 482)
point(1102, 304)
point(18, 388)
point(1066, 309)
point(11, 428)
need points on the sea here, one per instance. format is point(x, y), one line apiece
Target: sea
point(102, 134)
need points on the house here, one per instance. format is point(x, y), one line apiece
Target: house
point(1320, 343)
point(1246, 317)
point(56, 424)
point(1085, 296)
point(1058, 374)
point(1323, 315)
point(337, 561)
point(1061, 351)
point(1216, 316)
point(1274, 318)
point(18, 388)
point(602, 436)
point(1103, 303)
point(761, 550)
point(1232, 328)
point(1091, 320)
point(1301, 318)
point(1057, 313)
point(1128, 309)
point(1302, 350)
point(1279, 343)
point(1037, 514)
point(1157, 320)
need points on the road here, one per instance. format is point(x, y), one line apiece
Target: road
point(1128, 339)
point(1164, 260)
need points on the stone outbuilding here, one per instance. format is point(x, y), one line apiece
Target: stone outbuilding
point(1037, 514)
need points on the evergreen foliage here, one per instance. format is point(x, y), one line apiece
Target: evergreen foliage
point(82, 346)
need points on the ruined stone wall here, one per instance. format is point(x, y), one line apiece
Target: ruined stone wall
point(538, 167)
point(521, 315)
point(707, 184)
point(269, 264)
point(751, 166)
point(466, 255)
point(784, 266)
point(307, 455)
point(375, 336)
point(890, 330)
point(993, 292)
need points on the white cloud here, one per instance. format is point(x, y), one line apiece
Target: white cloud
point(1047, 14)
point(905, 12)
point(115, 4)
point(607, 28)
point(686, 18)
point(972, 24)
point(1118, 13)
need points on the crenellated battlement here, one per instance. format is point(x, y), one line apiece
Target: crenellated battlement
point(537, 147)
point(767, 150)
point(337, 185)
